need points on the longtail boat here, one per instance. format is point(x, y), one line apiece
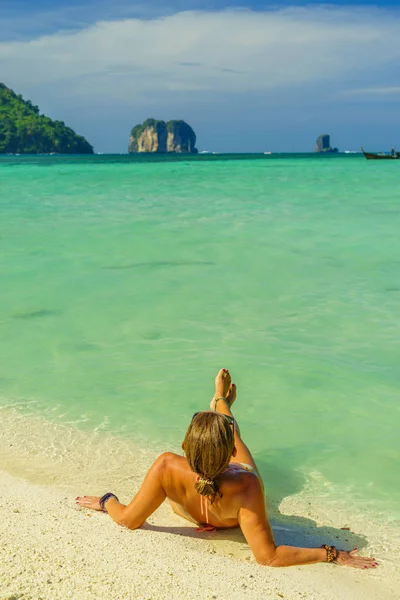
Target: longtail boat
point(381, 155)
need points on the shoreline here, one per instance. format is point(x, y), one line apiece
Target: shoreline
point(54, 550)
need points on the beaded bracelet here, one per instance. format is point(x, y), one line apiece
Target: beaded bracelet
point(105, 499)
point(332, 553)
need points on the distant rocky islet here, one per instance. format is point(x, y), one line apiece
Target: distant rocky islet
point(323, 144)
point(162, 137)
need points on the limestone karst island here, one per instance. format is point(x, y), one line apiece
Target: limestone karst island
point(162, 137)
point(24, 131)
point(323, 144)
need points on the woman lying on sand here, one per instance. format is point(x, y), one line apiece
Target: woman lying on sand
point(217, 485)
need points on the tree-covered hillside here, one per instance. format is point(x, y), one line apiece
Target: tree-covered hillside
point(24, 131)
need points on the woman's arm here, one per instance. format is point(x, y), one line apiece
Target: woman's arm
point(257, 530)
point(149, 497)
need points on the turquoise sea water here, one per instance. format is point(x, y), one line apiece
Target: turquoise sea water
point(127, 282)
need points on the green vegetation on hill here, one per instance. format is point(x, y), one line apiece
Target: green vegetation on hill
point(148, 123)
point(24, 131)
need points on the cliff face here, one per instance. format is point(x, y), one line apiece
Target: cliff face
point(151, 136)
point(181, 138)
point(159, 136)
point(323, 144)
point(24, 131)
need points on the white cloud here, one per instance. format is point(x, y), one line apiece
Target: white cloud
point(205, 52)
point(272, 73)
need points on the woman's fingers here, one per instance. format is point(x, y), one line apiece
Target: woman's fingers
point(361, 562)
point(87, 499)
point(350, 559)
point(88, 502)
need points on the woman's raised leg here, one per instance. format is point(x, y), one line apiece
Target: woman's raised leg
point(224, 388)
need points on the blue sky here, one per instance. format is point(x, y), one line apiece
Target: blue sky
point(247, 75)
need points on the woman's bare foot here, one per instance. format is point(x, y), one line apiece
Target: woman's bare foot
point(222, 384)
point(231, 395)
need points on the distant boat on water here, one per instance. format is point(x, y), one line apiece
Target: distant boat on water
point(381, 155)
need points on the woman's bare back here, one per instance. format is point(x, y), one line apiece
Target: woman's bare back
point(223, 512)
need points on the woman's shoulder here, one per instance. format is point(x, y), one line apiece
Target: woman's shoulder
point(168, 457)
point(170, 460)
point(240, 478)
point(174, 470)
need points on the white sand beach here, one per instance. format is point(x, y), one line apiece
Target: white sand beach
point(52, 550)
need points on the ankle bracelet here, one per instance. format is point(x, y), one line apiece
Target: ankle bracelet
point(216, 400)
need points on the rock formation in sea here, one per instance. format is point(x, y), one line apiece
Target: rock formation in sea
point(323, 144)
point(24, 131)
point(161, 137)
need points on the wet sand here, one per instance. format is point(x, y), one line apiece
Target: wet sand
point(51, 550)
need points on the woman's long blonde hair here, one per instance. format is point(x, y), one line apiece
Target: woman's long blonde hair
point(208, 446)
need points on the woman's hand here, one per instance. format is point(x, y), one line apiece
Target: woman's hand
point(349, 559)
point(91, 502)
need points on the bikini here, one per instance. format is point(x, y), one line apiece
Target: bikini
point(240, 468)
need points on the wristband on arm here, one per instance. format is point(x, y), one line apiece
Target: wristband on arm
point(332, 553)
point(104, 499)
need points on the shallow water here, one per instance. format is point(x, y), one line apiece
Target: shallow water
point(127, 283)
